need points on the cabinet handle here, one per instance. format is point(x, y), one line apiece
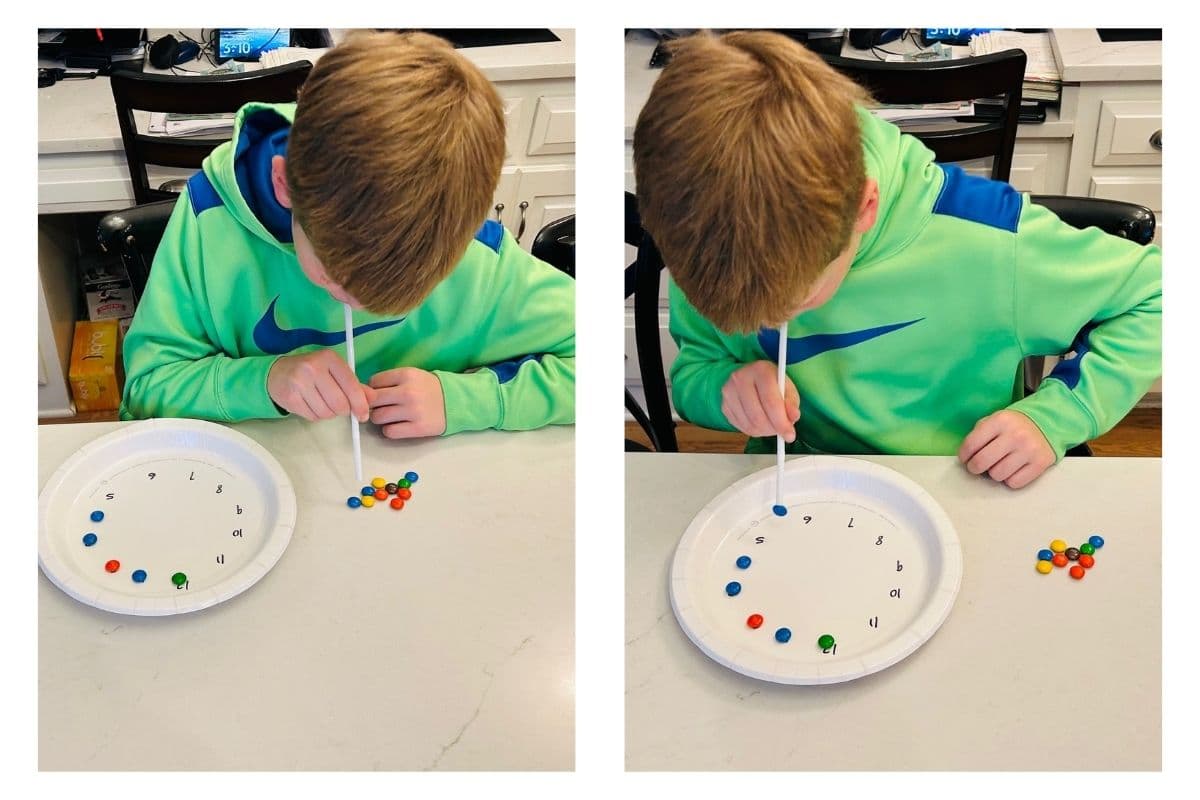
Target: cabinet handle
point(524, 204)
point(499, 209)
point(1156, 139)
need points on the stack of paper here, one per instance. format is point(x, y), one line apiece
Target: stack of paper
point(1043, 79)
point(191, 124)
point(286, 55)
point(896, 113)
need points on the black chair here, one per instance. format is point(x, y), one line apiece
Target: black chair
point(642, 282)
point(555, 244)
point(201, 94)
point(993, 75)
point(1127, 220)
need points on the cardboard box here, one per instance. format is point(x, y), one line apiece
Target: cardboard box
point(95, 373)
point(106, 288)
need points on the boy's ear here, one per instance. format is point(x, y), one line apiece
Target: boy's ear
point(279, 181)
point(868, 208)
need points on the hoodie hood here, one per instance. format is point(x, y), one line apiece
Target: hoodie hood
point(909, 183)
point(240, 170)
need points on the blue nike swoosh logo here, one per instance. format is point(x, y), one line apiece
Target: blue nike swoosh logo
point(802, 348)
point(273, 340)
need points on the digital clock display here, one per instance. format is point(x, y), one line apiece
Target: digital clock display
point(247, 44)
point(952, 35)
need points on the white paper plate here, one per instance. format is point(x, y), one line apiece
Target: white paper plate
point(876, 565)
point(219, 509)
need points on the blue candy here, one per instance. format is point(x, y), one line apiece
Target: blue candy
point(368, 491)
point(743, 562)
point(139, 576)
point(411, 477)
point(89, 539)
point(353, 502)
point(1045, 555)
point(732, 588)
point(782, 635)
point(1096, 541)
point(97, 516)
point(780, 511)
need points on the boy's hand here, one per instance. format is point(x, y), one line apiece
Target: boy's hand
point(318, 385)
point(1008, 447)
point(750, 401)
point(408, 403)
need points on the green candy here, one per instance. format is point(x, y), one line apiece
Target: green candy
point(179, 579)
point(825, 642)
point(404, 483)
point(1086, 549)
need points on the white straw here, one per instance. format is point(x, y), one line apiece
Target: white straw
point(779, 437)
point(353, 419)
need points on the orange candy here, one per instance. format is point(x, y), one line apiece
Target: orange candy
point(754, 620)
point(1077, 572)
point(381, 494)
point(112, 566)
point(404, 493)
point(1059, 560)
point(1087, 560)
point(397, 503)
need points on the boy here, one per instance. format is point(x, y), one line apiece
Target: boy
point(370, 191)
point(911, 290)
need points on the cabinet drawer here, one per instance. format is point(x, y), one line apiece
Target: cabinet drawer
point(1124, 133)
point(553, 129)
point(1146, 191)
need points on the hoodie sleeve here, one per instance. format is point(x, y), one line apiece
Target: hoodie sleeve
point(1099, 297)
point(525, 350)
point(173, 366)
point(702, 367)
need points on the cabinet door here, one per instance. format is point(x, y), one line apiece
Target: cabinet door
point(543, 195)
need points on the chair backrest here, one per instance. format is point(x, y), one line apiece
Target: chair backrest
point(642, 281)
point(199, 94)
point(555, 244)
point(993, 75)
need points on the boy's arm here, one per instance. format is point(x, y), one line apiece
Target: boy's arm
point(1099, 296)
point(526, 348)
point(702, 367)
point(173, 367)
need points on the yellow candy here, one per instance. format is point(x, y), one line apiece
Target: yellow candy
point(379, 483)
point(1044, 567)
point(1058, 545)
point(368, 501)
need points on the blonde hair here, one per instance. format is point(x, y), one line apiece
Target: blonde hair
point(749, 168)
point(392, 162)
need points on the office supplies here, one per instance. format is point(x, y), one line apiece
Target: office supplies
point(167, 51)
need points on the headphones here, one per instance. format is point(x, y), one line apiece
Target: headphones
point(167, 51)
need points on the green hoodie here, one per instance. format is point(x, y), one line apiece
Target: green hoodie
point(958, 280)
point(226, 297)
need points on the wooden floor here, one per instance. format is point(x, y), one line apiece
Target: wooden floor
point(1139, 434)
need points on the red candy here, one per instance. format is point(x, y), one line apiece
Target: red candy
point(1087, 560)
point(397, 503)
point(754, 620)
point(112, 566)
point(405, 493)
point(1077, 572)
point(1059, 560)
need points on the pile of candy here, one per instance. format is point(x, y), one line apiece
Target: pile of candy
point(755, 621)
point(380, 489)
point(1059, 555)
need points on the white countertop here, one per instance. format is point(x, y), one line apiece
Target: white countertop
point(78, 115)
point(1084, 58)
point(639, 79)
point(1029, 672)
point(437, 637)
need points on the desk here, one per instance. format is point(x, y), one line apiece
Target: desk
point(437, 637)
point(1029, 672)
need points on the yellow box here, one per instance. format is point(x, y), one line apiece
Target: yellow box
point(95, 370)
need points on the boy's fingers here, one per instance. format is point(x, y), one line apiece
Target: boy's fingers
point(988, 456)
point(984, 431)
point(772, 404)
point(331, 393)
point(791, 400)
point(318, 407)
point(732, 406)
point(1006, 467)
point(402, 430)
point(1024, 476)
point(351, 389)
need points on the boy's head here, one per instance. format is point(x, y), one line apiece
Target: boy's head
point(750, 176)
point(392, 161)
